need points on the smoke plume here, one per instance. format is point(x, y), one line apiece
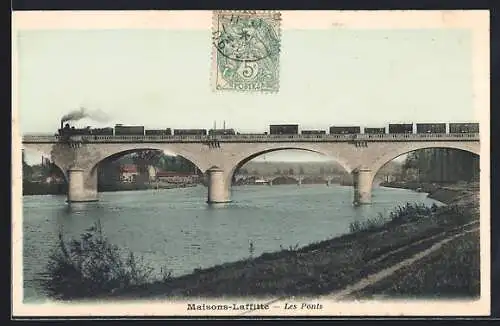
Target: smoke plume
point(96, 115)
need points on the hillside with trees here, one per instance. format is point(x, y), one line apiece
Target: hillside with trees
point(441, 165)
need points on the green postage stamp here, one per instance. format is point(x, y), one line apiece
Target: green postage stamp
point(246, 50)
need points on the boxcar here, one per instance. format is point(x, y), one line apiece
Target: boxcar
point(158, 132)
point(222, 132)
point(401, 128)
point(289, 129)
point(313, 132)
point(190, 132)
point(335, 130)
point(432, 128)
point(102, 131)
point(459, 128)
point(121, 130)
point(374, 130)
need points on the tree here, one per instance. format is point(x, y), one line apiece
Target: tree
point(442, 165)
point(27, 169)
point(291, 171)
point(142, 160)
point(322, 170)
point(301, 170)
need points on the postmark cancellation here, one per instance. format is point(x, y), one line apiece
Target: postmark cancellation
point(245, 51)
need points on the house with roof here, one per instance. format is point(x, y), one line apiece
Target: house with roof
point(128, 173)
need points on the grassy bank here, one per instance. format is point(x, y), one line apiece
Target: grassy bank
point(316, 269)
point(453, 271)
point(445, 193)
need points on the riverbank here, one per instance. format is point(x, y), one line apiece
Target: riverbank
point(446, 193)
point(328, 266)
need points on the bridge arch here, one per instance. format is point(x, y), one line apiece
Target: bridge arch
point(134, 148)
point(246, 157)
point(411, 147)
point(46, 152)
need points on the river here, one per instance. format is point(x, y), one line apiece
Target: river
point(175, 227)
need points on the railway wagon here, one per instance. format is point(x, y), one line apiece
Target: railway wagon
point(370, 130)
point(190, 132)
point(313, 132)
point(102, 131)
point(431, 128)
point(401, 128)
point(460, 128)
point(286, 129)
point(220, 132)
point(121, 130)
point(336, 130)
point(158, 132)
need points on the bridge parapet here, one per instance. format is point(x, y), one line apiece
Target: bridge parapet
point(256, 138)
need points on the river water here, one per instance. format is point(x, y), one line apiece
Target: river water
point(175, 227)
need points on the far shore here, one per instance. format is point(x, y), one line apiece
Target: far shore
point(43, 189)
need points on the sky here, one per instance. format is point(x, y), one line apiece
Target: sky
point(161, 78)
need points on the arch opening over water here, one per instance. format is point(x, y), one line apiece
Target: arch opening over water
point(41, 175)
point(289, 165)
point(145, 168)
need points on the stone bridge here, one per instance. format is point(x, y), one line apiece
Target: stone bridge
point(361, 155)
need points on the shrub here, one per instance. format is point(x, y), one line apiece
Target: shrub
point(411, 212)
point(91, 266)
point(368, 225)
point(401, 214)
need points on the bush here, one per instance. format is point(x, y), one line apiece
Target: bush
point(401, 214)
point(371, 224)
point(411, 212)
point(92, 266)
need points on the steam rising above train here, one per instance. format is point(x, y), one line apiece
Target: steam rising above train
point(274, 129)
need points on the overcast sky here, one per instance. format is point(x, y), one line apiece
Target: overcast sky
point(161, 78)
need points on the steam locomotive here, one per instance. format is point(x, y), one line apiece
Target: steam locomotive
point(274, 129)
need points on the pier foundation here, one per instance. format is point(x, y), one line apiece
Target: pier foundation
point(77, 190)
point(218, 190)
point(362, 182)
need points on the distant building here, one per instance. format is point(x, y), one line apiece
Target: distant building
point(128, 173)
point(176, 177)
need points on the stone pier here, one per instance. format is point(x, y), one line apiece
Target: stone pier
point(362, 182)
point(218, 190)
point(77, 190)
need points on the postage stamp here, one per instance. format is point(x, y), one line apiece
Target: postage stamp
point(360, 186)
point(246, 51)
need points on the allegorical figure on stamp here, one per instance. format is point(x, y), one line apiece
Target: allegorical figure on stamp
point(246, 51)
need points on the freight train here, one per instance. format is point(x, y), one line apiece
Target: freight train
point(460, 128)
point(369, 130)
point(275, 129)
